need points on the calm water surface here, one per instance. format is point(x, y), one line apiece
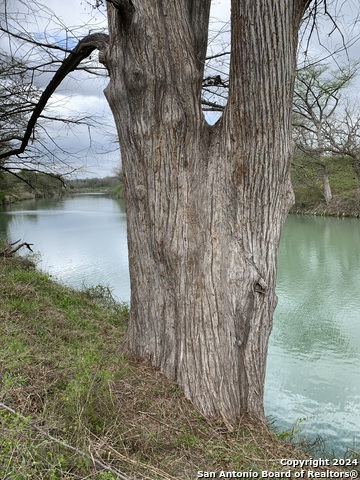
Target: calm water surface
point(313, 372)
point(82, 239)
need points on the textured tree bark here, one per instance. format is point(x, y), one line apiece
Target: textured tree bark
point(327, 188)
point(205, 203)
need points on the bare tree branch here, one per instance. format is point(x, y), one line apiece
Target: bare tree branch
point(11, 249)
point(84, 48)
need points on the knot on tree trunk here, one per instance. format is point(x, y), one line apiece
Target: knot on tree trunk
point(260, 286)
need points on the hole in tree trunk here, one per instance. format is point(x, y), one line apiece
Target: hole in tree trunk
point(216, 73)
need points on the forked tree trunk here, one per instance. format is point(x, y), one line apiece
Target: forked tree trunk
point(205, 203)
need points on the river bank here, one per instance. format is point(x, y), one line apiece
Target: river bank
point(78, 407)
point(308, 178)
point(38, 186)
point(10, 198)
point(339, 206)
point(345, 204)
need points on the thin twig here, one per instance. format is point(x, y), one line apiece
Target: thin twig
point(66, 445)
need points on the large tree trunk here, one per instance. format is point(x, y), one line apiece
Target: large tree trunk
point(205, 204)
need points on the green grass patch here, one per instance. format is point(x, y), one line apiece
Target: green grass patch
point(307, 180)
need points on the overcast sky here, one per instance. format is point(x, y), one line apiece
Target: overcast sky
point(96, 152)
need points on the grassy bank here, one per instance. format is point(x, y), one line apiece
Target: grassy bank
point(307, 178)
point(8, 198)
point(74, 407)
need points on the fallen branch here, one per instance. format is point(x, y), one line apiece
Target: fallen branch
point(9, 251)
point(66, 445)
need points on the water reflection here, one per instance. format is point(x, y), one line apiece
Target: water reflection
point(314, 355)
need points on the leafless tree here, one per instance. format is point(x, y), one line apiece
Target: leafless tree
point(342, 133)
point(316, 99)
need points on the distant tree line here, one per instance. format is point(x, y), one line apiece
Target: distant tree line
point(106, 183)
point(40, 185)
point(29, 184)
